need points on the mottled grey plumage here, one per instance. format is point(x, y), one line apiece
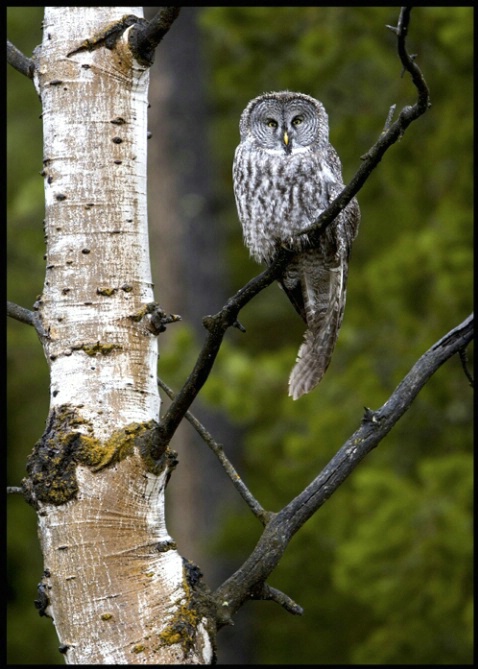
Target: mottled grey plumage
point(285, 174)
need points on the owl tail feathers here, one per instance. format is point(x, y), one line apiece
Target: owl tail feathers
point(312, 361)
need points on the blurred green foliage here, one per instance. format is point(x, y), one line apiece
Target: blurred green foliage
point(383, 570)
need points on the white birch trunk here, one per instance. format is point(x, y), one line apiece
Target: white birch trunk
point(116, 587)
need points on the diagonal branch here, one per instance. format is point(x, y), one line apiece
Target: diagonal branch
point(219, 323)
point(216, 326)
point(260, 513)
point(374, 427)
point(19, 61)
point(392, 133)
point(464, 364)
point(266, 592)
point(146, 35)
point(25, 316)
point(20, 313)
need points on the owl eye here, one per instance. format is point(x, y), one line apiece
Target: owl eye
point(271, 123)
point(297, 120)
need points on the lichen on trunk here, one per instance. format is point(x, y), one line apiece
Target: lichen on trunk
point(113, 582)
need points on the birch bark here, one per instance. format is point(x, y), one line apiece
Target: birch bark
point(114, 583)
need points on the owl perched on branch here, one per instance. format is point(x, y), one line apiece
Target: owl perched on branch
point(285, 175)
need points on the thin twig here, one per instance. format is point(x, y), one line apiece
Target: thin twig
point(20, 313)
point(269, 593)
point(409, 62)
point(25, 316)
point(391, 114)
point(464, 363)
point(393, 133)
point(218, 450)
point(19, 61)
point(14, 490)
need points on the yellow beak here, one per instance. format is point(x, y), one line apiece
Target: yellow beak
point(286, 138)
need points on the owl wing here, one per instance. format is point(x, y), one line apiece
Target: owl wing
point(323, 184)
point(315, 283)
point(321, 281)
point(293, 290)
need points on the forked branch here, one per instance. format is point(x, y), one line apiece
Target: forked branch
point(19, 61)
point(252, 575)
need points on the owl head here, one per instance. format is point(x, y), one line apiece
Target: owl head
point(285, 122)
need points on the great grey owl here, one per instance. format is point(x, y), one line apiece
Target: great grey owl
point(285, 174)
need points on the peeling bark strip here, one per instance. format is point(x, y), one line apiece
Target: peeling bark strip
point(113, 582)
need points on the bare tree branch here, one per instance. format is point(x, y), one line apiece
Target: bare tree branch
point(464, 364)
point(393, 132)
point(25, 316)
point(374, 427)
point(20, 313)
point(266, 592)
point(19, 61)
point(218, 450)
point(216, 326)
point(220, 322)
point(146, 35)
point(14, 490)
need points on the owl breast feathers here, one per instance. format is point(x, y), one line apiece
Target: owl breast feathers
point(285, 175)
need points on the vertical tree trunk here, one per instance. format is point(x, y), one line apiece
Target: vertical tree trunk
point(114, 584)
